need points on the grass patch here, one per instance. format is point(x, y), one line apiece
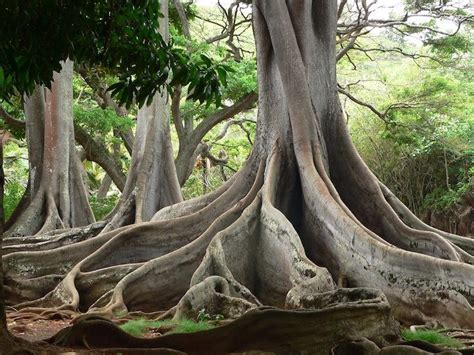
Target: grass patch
point(431, 336)
point(188, 326)
point(138, 327)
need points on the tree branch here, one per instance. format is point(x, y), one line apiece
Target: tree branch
point(12, 121)
point(97, 152)
point(245, 103)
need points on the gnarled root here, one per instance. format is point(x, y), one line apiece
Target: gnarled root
point(264, 329)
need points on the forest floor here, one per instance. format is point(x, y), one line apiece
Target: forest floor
point(38, 330)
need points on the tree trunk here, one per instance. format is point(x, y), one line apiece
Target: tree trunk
point(304, 224)
point(151, 180)
point(56, 191)
point(97, 151)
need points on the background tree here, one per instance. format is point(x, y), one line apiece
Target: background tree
point(151, 181)
point(56, 197)
point(424, 154)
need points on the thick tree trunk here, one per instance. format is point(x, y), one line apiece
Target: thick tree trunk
point(56, 191)
point(305, 224)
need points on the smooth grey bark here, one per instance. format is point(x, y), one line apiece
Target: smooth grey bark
point(104, 187)
point(94, 150)
point(57, 195)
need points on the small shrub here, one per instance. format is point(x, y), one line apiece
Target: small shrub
point(203, 316)
point(431, 336)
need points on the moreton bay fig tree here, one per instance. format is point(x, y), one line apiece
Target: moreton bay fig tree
point(304, 224)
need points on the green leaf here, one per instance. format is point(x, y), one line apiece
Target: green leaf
point(222, 75)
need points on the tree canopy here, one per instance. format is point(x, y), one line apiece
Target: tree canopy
point(121, 36)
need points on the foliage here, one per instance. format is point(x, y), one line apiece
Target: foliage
point(242, 79)
point(190, 10)
point(100, 121)
point(431, 336)
point(120, 35)
point(451, 45)
point(441, 200)
point(16, 177)
point(15, 109)
point(138, 327)
point(102, 207)
point(425, 148)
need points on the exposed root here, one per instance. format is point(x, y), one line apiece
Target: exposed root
point(264, 329)
point(218, 296)
point(405, 277)
point(159, 283)
point(465, 244)
point(99, 264)
point(52, 240)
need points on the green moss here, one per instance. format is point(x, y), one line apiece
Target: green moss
point(431, 336)
point(135, 327)
point(138, 327)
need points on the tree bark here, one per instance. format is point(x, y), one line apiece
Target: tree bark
point(304, 224)
point(56, 191)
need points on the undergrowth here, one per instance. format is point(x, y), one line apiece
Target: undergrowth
point(138, 327)
point(431, 336)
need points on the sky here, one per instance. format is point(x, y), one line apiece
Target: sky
point(212, 2)
point(385, 8)
point(387, 4)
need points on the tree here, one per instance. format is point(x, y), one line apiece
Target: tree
point(121, 36)
point(190, 136)
point(56, 197)
point(304, 205)
point(439, 25)
point(303, 217)
point(423, 152)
